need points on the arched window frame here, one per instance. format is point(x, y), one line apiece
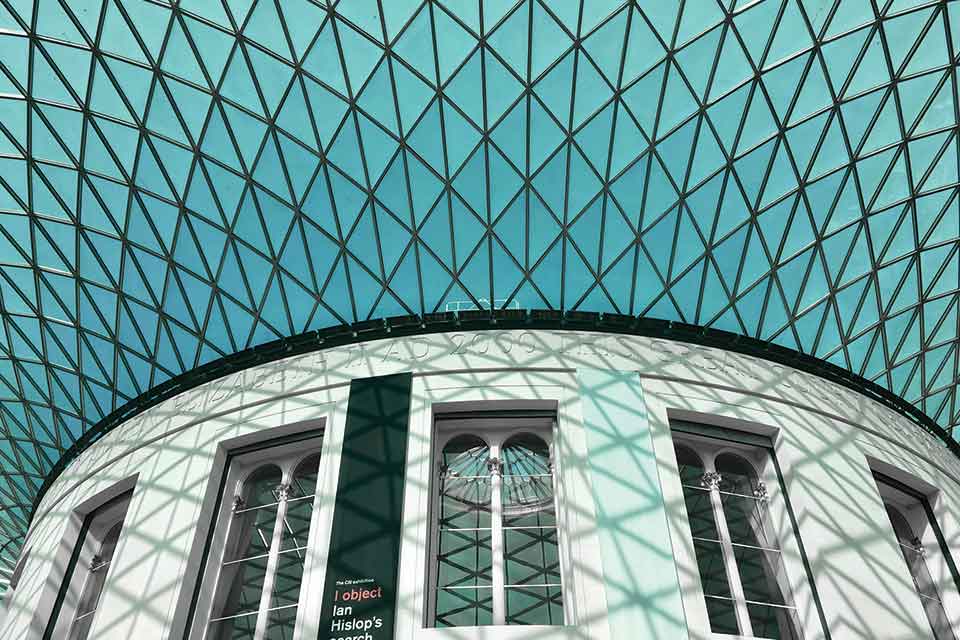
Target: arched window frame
point(494, 432)
point(288, 458)
point(757, 459)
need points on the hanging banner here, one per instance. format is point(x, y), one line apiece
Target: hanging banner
point(360, 590)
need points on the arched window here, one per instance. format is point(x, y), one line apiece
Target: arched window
point(257, 591)
point(496, 549)
point(745, 587)
point(910, 517)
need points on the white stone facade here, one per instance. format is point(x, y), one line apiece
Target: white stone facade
point(826, 439)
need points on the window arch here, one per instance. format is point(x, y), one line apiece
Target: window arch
point(304, 480)
point(737, 475)
point(690, 465)
point(496, 552)
point(259, 488)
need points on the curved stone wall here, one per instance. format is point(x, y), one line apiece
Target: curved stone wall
point(613, 393)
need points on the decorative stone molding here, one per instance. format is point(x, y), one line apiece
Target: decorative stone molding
point(760, 493)
point(711, 480)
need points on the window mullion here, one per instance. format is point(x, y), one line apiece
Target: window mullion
point(268, 578)
point(730, 562)
point(496, 537)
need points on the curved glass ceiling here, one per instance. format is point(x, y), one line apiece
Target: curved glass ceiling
point(177, 184)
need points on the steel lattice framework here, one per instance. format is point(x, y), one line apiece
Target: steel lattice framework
point(178, 183)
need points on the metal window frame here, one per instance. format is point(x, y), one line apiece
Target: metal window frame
point(487, 425)
point(292, 434)
point(287, 456)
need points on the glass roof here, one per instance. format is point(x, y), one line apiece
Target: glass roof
point(177, 184)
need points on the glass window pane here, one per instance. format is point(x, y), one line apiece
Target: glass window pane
point(913, 555)
point(776, 623)
point(251, 533)
point(465, 503)
point(464, 607)
point(240, 628)
point(239, 587)
point(939, 623)
point(93, 586)
point(690, 467)
point(465, 484)
point(81, 627)
point(531, 556)
point(528, 501)
point(296, 523)
point(922, 580)
point(466, 456)
point(304, 481)
point(713, 572)
point(286, 582)
point(762, 574)
point(464, 559)
point(109, 546)
point(737, 476)
point(722, 615)
point(526, 455)
point(261, 485)
point(745, 517)
point(534, 605)
point(703, 524)
point(281, 623)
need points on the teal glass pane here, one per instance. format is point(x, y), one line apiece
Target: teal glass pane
point(304, 482)
point(464, 559)
point(534, 605)
point(722, 615)
point(777, 623)
point(470, 607)
point(260, 488)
